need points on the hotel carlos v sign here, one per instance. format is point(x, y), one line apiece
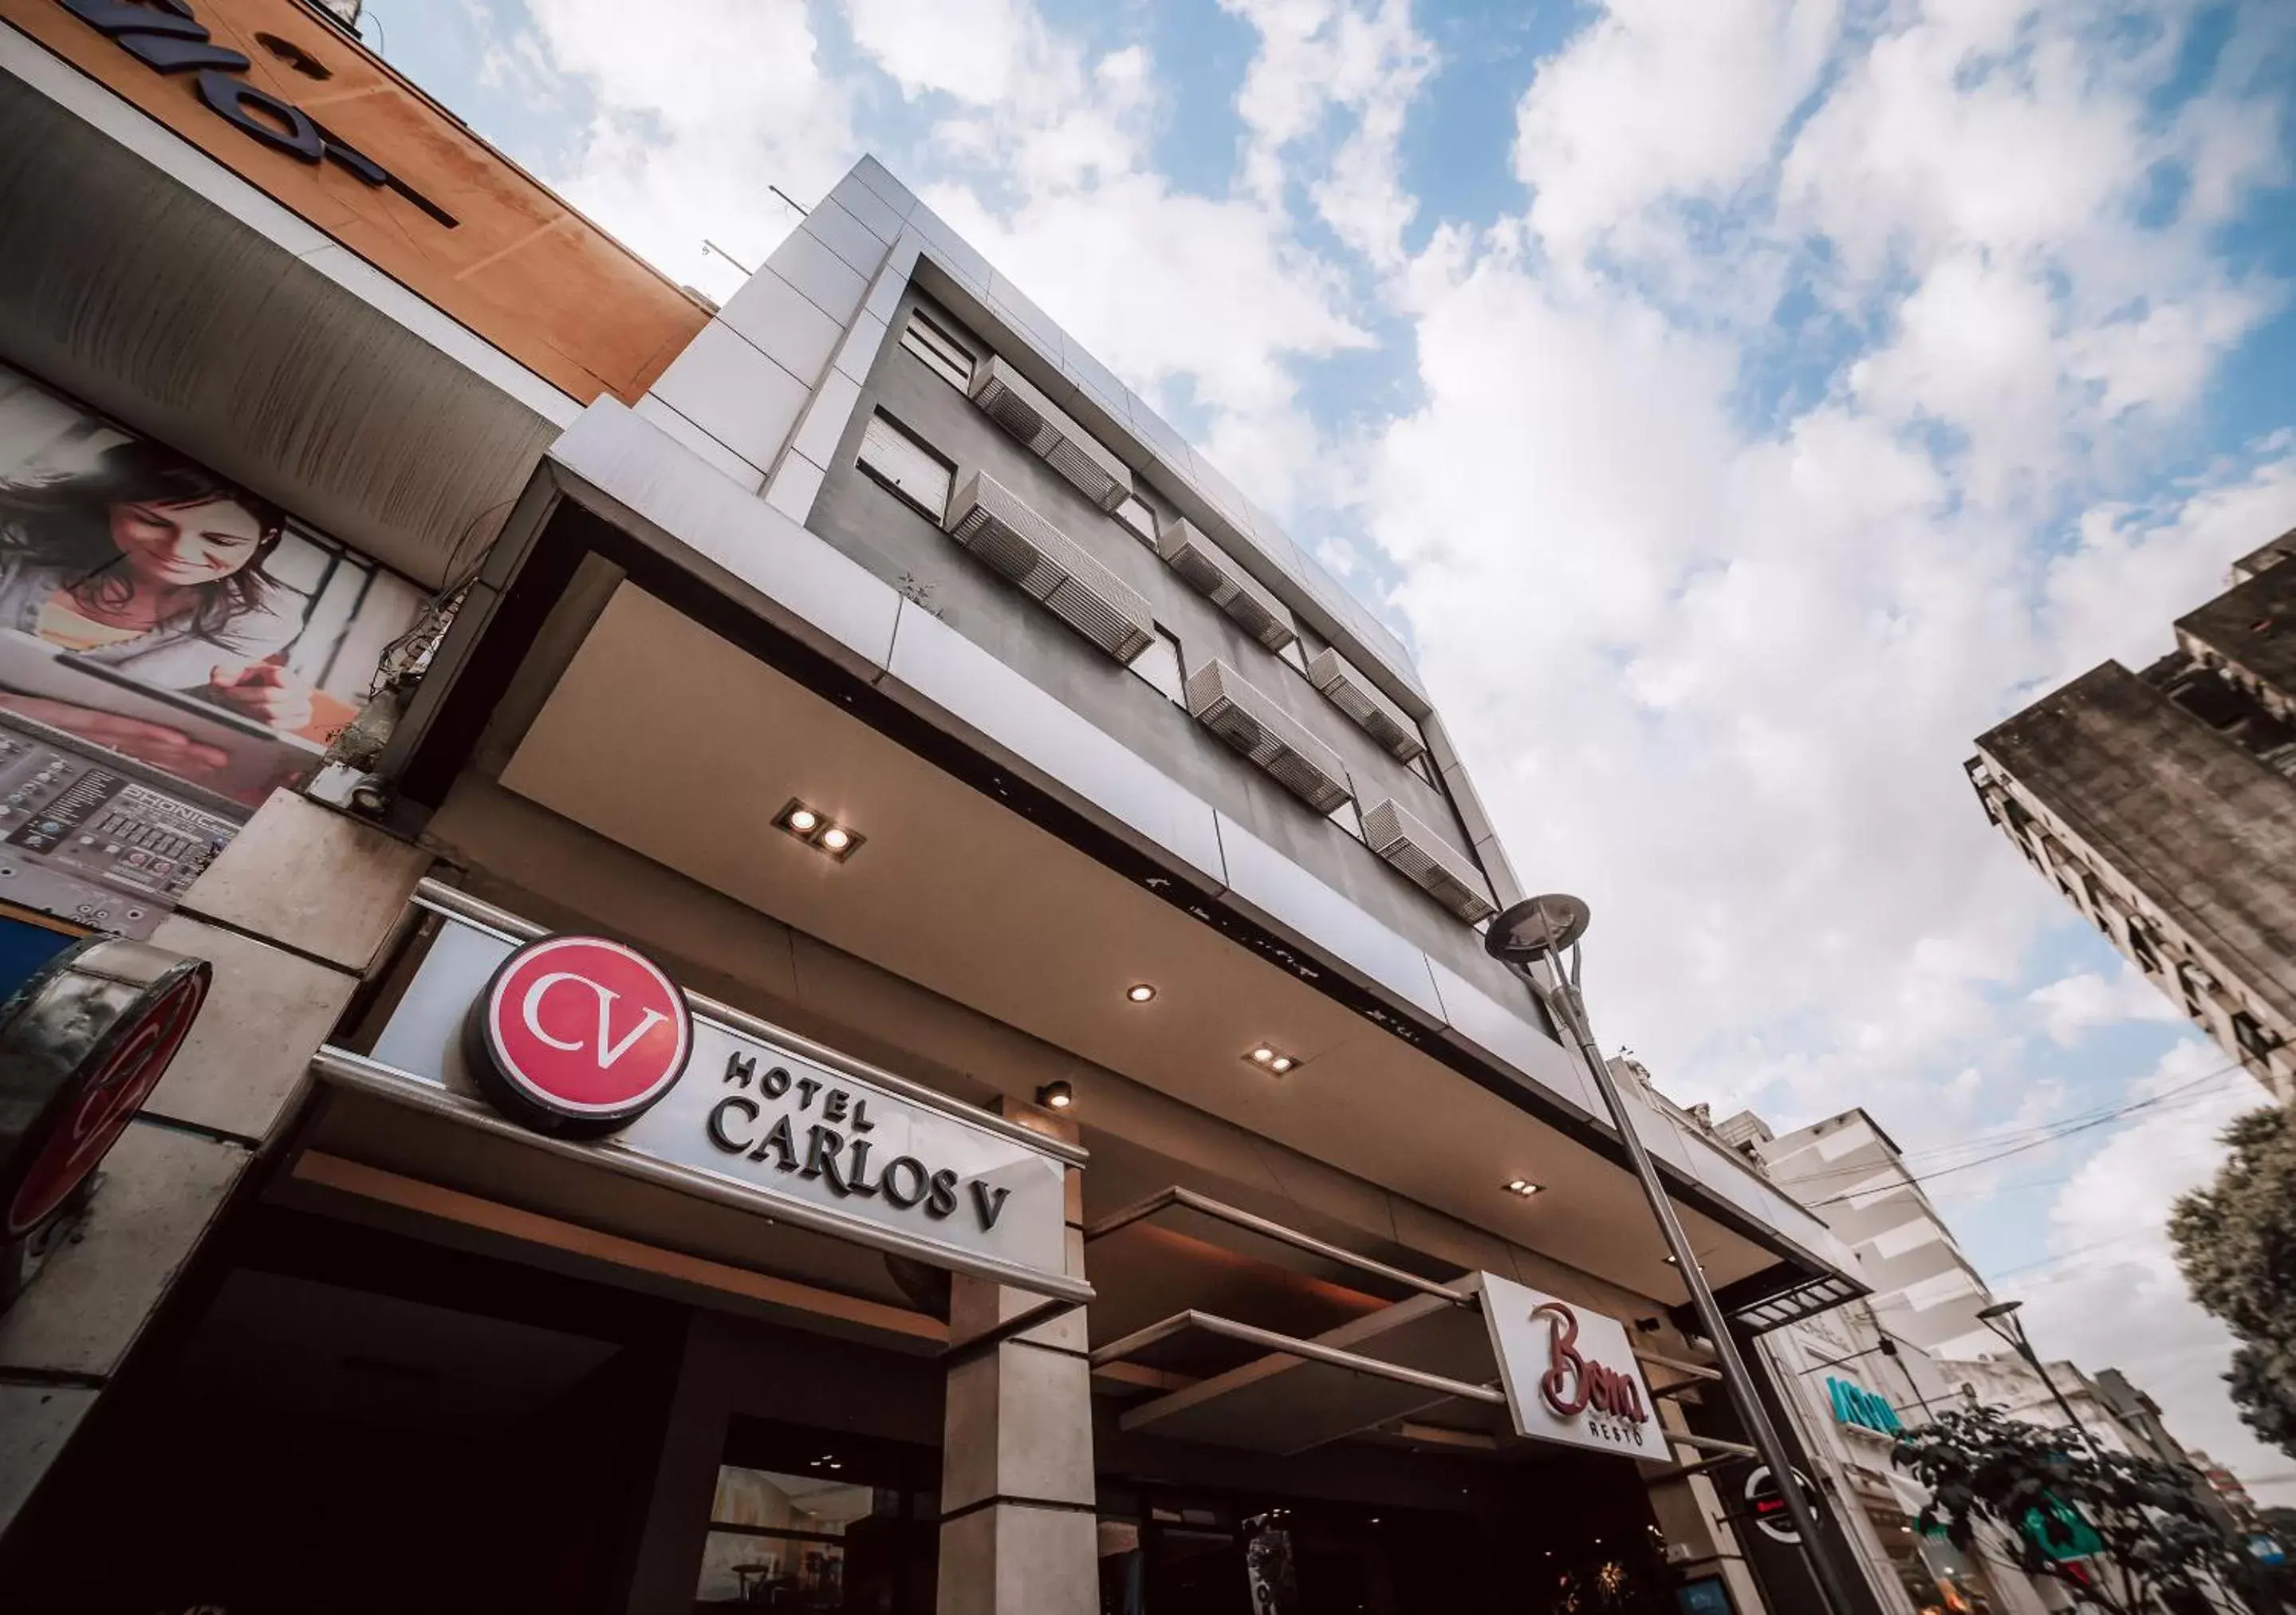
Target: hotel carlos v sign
point(588, 1043)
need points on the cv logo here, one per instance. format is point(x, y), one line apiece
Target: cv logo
point(578, 1036)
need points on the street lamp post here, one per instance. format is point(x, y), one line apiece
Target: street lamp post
point(1546, 930)
point(2002, 1319)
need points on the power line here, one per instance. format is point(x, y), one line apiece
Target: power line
point(2066, 1131)
point(2038, 1132)
point(2064, 1256)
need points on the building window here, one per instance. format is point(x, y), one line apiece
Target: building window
point(2140, 943)
point(1138, 519)
point(932, 336)
point(1160, 665)
point(895, 457)
point(2254, 1041)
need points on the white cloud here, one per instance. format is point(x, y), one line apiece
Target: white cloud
point(978, 51)
point(1720, 673)
point(1658, 101)
point(697, 112)
point(1325, 59)
point(2076, 1006)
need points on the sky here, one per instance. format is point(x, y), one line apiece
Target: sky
point(1737, 405)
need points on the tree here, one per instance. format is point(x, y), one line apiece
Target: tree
point(2116, 1531)
point(2236, 1243)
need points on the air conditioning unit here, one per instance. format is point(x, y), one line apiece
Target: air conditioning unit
point(1427, 861)
point(1008, 399)
point(1212, 573)
point(1247, 718)
point(1354, 695)
point(988, 518)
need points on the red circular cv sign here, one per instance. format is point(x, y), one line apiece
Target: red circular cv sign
point(578, 1036)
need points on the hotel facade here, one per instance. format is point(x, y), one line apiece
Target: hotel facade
point(661, 955)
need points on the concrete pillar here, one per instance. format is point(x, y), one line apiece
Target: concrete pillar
point(290, 915)
point(1017, 1533)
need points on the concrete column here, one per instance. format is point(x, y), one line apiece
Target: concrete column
point(290, 916)
point(1017, 1535)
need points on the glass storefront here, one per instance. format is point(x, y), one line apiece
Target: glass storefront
point(804, 1521)
point(1173, 1553)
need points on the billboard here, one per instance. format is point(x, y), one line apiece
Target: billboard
point(155, 610)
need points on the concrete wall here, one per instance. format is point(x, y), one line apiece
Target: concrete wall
point(2200, 831)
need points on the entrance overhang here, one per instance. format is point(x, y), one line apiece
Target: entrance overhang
point(656, 657)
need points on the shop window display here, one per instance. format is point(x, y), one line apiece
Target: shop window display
point(817, 1521)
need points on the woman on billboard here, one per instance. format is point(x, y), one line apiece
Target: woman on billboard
point(153, 566)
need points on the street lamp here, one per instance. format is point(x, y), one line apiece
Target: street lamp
point(2002, 1319)
point(1546, 930)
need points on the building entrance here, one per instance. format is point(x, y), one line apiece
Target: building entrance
point(351, 1423)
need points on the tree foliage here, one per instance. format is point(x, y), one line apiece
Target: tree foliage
point(2236, 1243)
point(2003, 1484)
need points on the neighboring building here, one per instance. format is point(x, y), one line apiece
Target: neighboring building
point(1917, 1343)
point(1857, 1385)
point(881, 1010)
point(2163, 806)
point(2227, 1486)
point(1850, 1173)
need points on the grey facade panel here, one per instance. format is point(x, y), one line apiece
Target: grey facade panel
point(874, 528)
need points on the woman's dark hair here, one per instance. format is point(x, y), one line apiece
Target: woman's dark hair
point(66, 522)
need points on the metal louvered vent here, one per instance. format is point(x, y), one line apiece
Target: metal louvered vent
point(1006, 397)
point(1212, 573)
point(1427, 861)
point(1354, 695)
point(989, 520)
point(1247, 718)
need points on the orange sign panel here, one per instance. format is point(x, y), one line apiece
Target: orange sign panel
point(305, 114)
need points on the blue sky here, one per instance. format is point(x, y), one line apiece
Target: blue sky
point(1739, 405)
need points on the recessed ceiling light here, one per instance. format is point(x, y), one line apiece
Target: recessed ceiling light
point(808, 823)
point(1523, 1186)
point(1267, 1057)
point(1056, 1096)
point(1282, 1062)
point(1263, 1054)
point(1140, 992)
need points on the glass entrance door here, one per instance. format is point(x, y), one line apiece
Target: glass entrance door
point(811, 1520)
